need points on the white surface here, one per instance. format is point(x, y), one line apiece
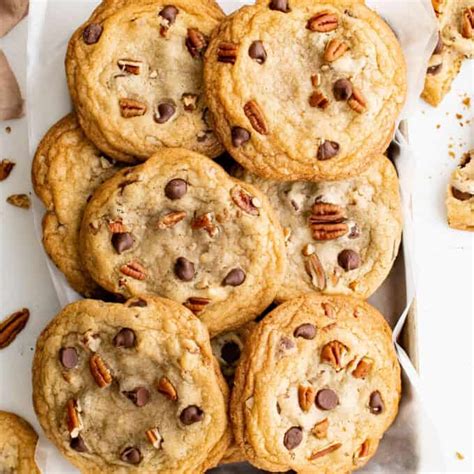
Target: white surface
point(444, 268)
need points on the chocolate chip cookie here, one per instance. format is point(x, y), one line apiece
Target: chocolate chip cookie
point(179, 226)
point(317, 386)
point(135, 73)
point(17, 445)
point(67, 168)
point(303, 90)
point(460, 195)
point(342, 237)
point(121, 388)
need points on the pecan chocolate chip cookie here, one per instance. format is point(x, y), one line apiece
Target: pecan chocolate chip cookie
point(134, 71)
point(342, 237)
point(17, 445)
point(317, 387)
point(135, 386)
point(179, 226)
point(67, 168)
point(460, 195)
point(305, 90)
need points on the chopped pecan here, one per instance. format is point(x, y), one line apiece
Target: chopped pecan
point(189, 102)
point(100, 371)
point(308, 250)
point(134, 270)
point(315, 270)
point(306, 396)
point(19, 200)
point(130, 66)
point(245, 201)
point(362, 452)
point(318, 99)
point(170, 219)
point(117, 227)
point(467, 26)
point(320, 430)
point(165, 387)
point(196, 42)
point(335, 49)
point(154, 438)
point(329, 310)
point(11, 327)
point(132, 108)
point(227, 52)
point(6, 167)
point(357, 101)
point(256, 117)
point(74, 422)
point(205, 222)
point(316, 80)
point(363, 368)
point(333, 353)
point(323, 452)
point(323, 22)
point(197, 304)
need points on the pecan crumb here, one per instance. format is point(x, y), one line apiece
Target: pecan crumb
point(19, 200)
point(6, 167)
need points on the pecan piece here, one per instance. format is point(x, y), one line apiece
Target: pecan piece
point(196, 42)
point(363, 368)
point(320, 430)
point(165, 387)
point(227, 52)
point(6, 167)
point(335, 49)
point(357, 101)
point(134, 270)
point(323, 22)
point(12, 326)
point(130, 66)
point(189, 102)
point(323, 452)
point(100, 371)
point(197, 304)
point(73, 419)
point(19, 200)
point(333, 353)
point(306, 396)
point(132, 108)
point(315, 270)
point(117, 227)
point(256, 117)
point(362, 452)
point(154, 438)
point(170, 219)
point(318, 99)
point(467, 27)
point(205, 222)
point(245, 201)
point(329, 310)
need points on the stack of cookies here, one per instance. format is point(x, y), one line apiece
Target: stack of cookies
point(271, 255)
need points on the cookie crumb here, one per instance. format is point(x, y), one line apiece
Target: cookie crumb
point(6, 167)
point(467, 102)
point(452, 154)
point(459, 116)
point(459, 456)
point(438, 125)
point(19, 200)
point(8, 129)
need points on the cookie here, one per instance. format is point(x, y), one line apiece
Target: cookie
point(17, 445)
point(342, 237)
point(460, 195)
point(305, 91)
point(119, 388)
point(179, 226)
point(135, 73)
point(317, 386)
point(67, 168)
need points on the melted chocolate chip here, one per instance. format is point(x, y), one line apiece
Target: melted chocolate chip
point(191, 414)
point(234, 278)
point(184, 269)
point(348, 259)
point(169, 13)
point(140, 396)
point(286, 343)
point(240, 136)
point(306, 331)
point(257, 52)
point(176, 189)
point(460, 195)
point(125, 338)
point(131, 455)
point(376, 404)
point(164, 112)
point(293, 437)
point(354, 233)
point(439, 45)
point(279, 5)
point(92, 33)
point(326, 399)
point(230, 352)
point(122, 241)
point(435, 70)
point(68, 357)
point(78, 444)
point(327, 150)
point(342, 89)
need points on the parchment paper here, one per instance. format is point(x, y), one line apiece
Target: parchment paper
point(410, 445)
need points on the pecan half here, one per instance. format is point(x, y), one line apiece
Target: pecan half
point(227, 52)
point(327, 221)
point(132, 108)
point(134, 270)
point(165, 387)
point(323, 452)
point(130, 66)
point(363, 368)
point(6, 167)
point(100, 371)
point(323, 22)
point(329, 231)
point(315, 270)
point(73, 419)
point(12, 326)
point(196, 42)
point(255, 115)
point(318, 99)
point(362, 452)
point(244, 200)
point(205, 222)
point(467, 26)
point(357, 101)
point(197, 304)
point(170, 219)
point(333, 353)
point(19, 200)
point(306, 396)
point(335, 49)
point(154, 438)
point(320, 430)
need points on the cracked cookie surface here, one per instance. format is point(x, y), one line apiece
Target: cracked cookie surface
point(342, 237)
point(135, 73)
point(67, 169)
point(305, 90)
point(317, 386)
point(179, 226)
point(120, 388)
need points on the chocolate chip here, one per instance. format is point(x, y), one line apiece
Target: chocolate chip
point(326, 399)
point(191, 414)
point(176, 189)
point(348, 259)
point(78, 444)
point(240, 136)
point(439, 45)
point(279, 5)
point(306, 331)
point(131, 455)
point(169, 13)
point(184, 269)
point(460, 195)
point(140, 396)
point(286, 343)
point(230, 352)
point(92, 33)
point(434, 70)
point(122, 241)
point(137, 303)
point(328, 150)
point(125, 338)
point(376, 404)
point(257, 52)
point(354, 233)
point(164, 112)
point(342, 89)
point(234, 278)
point(293, 437)
point(68, 357)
